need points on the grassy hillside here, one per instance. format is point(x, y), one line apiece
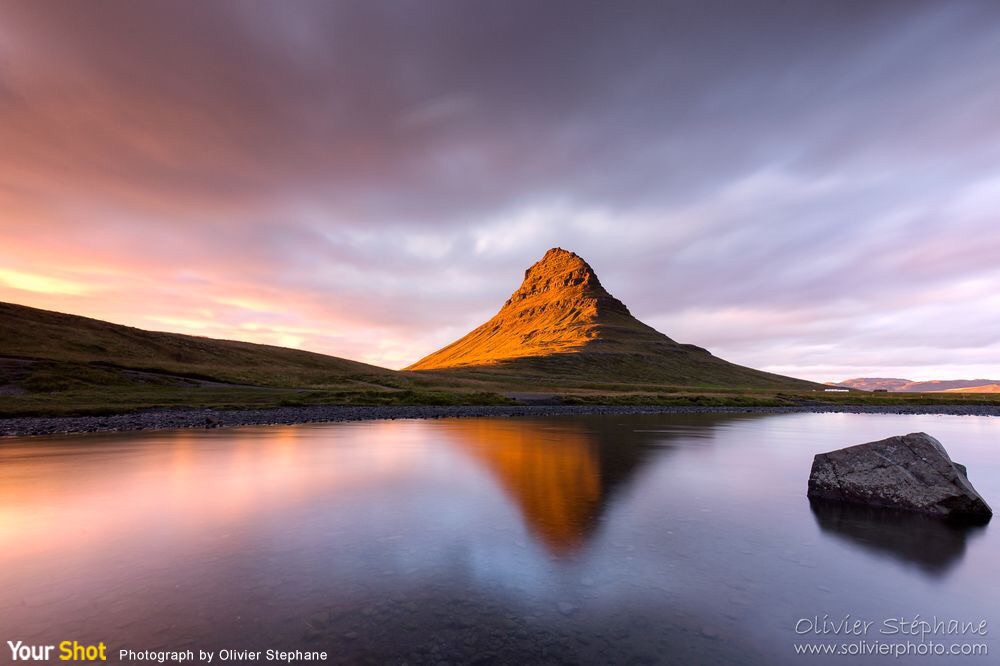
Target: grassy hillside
point(40, 334)
point(655, 366)
point(910, 386)
point(53, 363)
point(988, 388)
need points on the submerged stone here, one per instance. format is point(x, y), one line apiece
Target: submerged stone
point(910, 472)
point(566, 608)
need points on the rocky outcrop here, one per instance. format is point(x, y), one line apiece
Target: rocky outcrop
point(911, 472)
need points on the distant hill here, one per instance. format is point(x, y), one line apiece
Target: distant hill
point(29, 334)
point(909, 386)
point(561, 325)
point(988, 388)
point(873, 383)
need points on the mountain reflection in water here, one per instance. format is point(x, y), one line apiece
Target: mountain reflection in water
point(561, 474)
point(552, 474)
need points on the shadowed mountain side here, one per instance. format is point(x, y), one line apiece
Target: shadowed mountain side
point(562, 473)
point(562, 324)
point(933, 545)
point(674, 365)
point(31, 333)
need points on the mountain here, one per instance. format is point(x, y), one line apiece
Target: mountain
point(562, 325)
point(29, 335)
point(910, 386)
point(986, 388)
point(873, 383)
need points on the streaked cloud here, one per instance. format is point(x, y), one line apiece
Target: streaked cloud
point(41, 284)
point(805, 187)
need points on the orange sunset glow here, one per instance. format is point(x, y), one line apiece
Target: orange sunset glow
point(499, 332)
point(364, 181)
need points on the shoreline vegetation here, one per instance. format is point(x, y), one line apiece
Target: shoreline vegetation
point(45, 388)
point(174, 419)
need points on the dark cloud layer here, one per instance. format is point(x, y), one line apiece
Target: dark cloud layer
point(805, 186)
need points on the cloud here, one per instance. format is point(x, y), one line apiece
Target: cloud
point(41, 284)
point(792, 186)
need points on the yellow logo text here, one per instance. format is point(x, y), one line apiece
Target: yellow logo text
point(73, 651)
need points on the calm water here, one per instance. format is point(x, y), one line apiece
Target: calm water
point(643, 539)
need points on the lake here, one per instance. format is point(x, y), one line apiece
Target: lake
point(598, 539)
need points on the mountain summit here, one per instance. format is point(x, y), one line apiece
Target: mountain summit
point(562, 322)
point(560, 307)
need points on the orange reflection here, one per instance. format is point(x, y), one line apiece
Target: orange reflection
point(552, 474)
point(56, 495)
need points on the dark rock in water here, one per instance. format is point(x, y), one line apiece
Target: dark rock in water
point(911, 472)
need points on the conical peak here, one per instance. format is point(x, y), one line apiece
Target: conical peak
point(562, 322)
point(558, 260)
point(558, 270)
point(560, 307)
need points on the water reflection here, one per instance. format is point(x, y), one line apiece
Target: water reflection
point(640, 539)
point(933, 545)
point(562, 473)
point(552, 474)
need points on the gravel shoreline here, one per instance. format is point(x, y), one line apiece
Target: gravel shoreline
point(169, 419)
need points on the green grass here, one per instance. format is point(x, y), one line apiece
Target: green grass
point(759, 398)
point(685, 400)
point(674, 365)
point(56, 389)
point(118, 399)
point(900, 399)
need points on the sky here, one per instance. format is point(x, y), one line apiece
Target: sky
point(810, 188)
